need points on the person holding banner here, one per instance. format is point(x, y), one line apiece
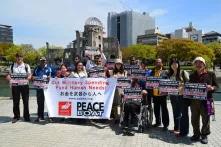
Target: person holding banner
point(179, 105)
point(42, 72)
point(160, 101)
point(79, 71)
point(132, 107)
point(200, 107)
point(118, 72)
point(22, 71)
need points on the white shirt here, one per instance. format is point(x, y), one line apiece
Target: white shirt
point(81, 74)
point(20, 69)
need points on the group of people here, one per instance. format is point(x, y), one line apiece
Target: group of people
point(81, 69)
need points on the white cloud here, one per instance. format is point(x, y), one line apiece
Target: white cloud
point(158, 12)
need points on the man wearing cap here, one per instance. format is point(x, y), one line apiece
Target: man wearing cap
point(199, 107)
point(42, 71)
point(22, 88)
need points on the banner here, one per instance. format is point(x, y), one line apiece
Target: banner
point(132, 93)
point(18, 79)
point(195, 91)
point(153, 82)
point(110, 65)
point(138, 73)
point(123, 83)
point(40, 84)
point(88, 98)
point(169, 87)
point(96, 72)
point(129, 67)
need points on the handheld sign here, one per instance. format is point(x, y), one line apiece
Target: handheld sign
point(18, 79)
point(129, 67)
point(138, 73)
point(195, 91)
point(132, 93)
point(123, 83)
point(40, 83)
point(169, 87)
point(110, 65)
point(153, 82)
point(96, 72)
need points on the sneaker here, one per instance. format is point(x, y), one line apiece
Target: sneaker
point(156, 125)
point(204, 140)
point(195, 138)
point(41, 119)
point(14, 120)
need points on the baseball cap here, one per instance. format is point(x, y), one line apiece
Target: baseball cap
point(199, 59)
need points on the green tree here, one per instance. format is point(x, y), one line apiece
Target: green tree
point(216, 47)
point(184, 50)
point(4, 47)
point(42, 51)
point(11, 52)
point(139, 51)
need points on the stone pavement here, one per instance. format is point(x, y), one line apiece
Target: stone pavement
point(23, 134)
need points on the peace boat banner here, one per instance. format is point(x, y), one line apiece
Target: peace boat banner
point(88, 98)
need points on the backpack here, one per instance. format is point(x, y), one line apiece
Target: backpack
point(26, 68)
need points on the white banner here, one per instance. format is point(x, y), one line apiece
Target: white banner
point(89, 98)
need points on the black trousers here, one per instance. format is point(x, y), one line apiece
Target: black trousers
point(199, 109)
point(131, 108)
point(160, 105)
point(40, 102)
point(18, 91)
point(184, 120)
point(176, 101)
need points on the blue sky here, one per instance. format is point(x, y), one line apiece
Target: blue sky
point(37, 21)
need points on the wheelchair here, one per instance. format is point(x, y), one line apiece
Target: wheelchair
point(143, 112)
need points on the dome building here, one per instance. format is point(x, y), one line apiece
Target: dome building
point(93, 33)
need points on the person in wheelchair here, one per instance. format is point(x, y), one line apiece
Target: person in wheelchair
point(132, 108)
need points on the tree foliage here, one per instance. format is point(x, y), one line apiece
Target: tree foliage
point(216, 47)
point(184, 50)
point(139, 51)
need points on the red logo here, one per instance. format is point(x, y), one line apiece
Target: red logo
point(64, 108)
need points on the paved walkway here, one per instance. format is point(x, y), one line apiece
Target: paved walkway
point(23, 134)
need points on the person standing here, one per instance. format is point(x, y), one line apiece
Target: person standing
point(159, 101)
point(177, 101)
point(20, 68)
point(42, 71)
point(199, 107)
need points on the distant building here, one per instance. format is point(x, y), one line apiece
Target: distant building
point(6, 34)
point(112, 48)
point(53, 53)
point(127, 25)
point(89, 41)
point(151, 37)
point(189, 33)
point(211, 37)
